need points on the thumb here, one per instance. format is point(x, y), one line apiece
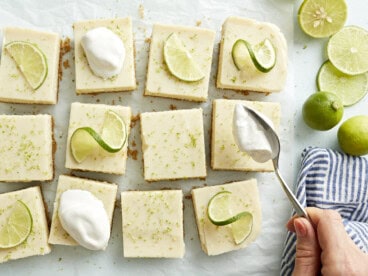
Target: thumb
point(307, 259)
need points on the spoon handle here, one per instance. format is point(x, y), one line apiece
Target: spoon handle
point(300, 211)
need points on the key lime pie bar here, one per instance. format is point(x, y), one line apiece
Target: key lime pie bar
point(26, 148)
point(29, 66)
point(243, 201)
point(81, 212)
point(179, 62)
point(93, 116)
point(225, 154)
point(153, 224)
point(104, 55)
point(173, 145)
point(238, 70)
point(23, 216)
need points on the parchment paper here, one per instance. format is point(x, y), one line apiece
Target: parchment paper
point(263, 256)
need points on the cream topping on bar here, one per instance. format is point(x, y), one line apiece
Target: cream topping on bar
point(105, 52)
point(83, 216)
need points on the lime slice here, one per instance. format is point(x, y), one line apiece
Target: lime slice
point(86, 140)
point(322, 18)
point(30, 60)
point(179, 61)
point(348, 50)
point(350, 89)
point(262, 55)
point(18, 226)
point(242, 227)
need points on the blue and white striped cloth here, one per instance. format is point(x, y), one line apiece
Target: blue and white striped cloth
point(332, 180)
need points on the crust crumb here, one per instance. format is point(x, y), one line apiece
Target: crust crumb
point(133, 120)
point(147, 40)
point(173, 107)
point(198, 23)
point(66, 64)
point(133, 154)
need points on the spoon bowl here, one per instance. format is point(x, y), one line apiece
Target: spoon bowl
point(274, 141)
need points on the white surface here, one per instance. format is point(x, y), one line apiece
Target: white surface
point(263, 256)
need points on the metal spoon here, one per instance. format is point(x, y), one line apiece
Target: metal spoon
point(275, 146)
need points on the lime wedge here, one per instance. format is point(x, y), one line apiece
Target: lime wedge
point(348, 50)
point(350, 89)
point(262, 55)
point(242, 227)
point(30, 60)
point(86, 140)
point(179, 61)
point(18, 226)
point(322, 18)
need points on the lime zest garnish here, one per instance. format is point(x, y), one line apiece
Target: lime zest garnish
point(179, 61)
point(30, 61)
point(85, 140)
point(262, 55)
point(18, 226)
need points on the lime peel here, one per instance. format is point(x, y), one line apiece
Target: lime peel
point(262, 55)
point(30, 61)
point(18, 226)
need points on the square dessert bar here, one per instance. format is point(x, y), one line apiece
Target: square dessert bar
point(251, 79)
point(36, 243)
point(153, 224)
point(14, 88)
point(160, 82)
point(106, 192)
point(26, 148)
point(225, 154)
point(92, 115)
point(173, 145)
point(86, 81)
point(216, 240)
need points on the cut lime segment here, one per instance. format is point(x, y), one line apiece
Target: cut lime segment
point(18, 226)
point(179, 61)
point(242, 227)
point(262, 55)
point(350, 89)
point(30, 60)
point(348, 50)
point(85, 140)
point(322, 18)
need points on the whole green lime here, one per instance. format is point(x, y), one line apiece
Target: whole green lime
point(353, 135)
point(323, 110)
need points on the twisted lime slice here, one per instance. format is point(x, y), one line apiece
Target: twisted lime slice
point(262, 55)
point(179, 61)
point(30, 60)
point(86, 140)
point(18, 226)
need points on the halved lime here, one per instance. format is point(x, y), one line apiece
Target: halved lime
point(18, 226)
point(86, 140)
point(262, 55)
point(348, 50)
point(30, 60)
point(350, 89)
point(242, 227)
point(322, 18)
point(179, 61)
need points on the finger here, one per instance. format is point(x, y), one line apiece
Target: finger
point(307, 258)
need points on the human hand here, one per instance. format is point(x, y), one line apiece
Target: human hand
point(325, 245)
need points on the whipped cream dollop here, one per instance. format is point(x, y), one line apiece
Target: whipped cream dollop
point(105, 52)
point(84, 217)
point(250, 136)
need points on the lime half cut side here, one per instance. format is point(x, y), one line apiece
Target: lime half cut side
point(350, 89)
point(30, 60)
point(262, 55)
point(18, 226)
point(348, 50)
point(85, 140)
point(322, 18)
point(242, 227)
point(179, 61)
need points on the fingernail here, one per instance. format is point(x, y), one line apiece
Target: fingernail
point(300, 228)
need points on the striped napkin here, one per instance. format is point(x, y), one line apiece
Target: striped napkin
point(329, 179)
